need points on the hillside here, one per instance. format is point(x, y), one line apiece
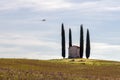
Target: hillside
point(59, 69)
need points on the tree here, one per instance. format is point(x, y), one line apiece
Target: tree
point(63, 40)
point(70, 38)
point(81, 41)
point(88, 44)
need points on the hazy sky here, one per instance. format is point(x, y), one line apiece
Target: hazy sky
point(24, 35)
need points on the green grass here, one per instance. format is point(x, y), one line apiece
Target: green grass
point(59, 69)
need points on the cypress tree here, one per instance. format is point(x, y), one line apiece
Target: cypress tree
point(88, 44)
point(63, 40)
point(70, 38)
point(81, 41)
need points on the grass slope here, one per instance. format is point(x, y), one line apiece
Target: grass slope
point(64, 69)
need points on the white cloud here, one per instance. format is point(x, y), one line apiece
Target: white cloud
point(33, 55)
point(9, 50)
point(97, 6)
point(86, 6)
point(117, 8)
point(105, 51)
point(102, 47)
point(25, 40)
point(22, 45)
point(50, 4)
point(35, 4)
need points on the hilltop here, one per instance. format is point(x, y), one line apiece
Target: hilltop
point(59, 69)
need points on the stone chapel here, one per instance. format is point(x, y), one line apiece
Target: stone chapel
point(74, 52)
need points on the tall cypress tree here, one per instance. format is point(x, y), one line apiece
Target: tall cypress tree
point(81, 41)
point(88, 44)
point(63, 40)
point(70, 37)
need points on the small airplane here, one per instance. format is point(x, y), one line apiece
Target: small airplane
point(43, 20)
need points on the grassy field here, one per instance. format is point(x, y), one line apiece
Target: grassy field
point(59, 69)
